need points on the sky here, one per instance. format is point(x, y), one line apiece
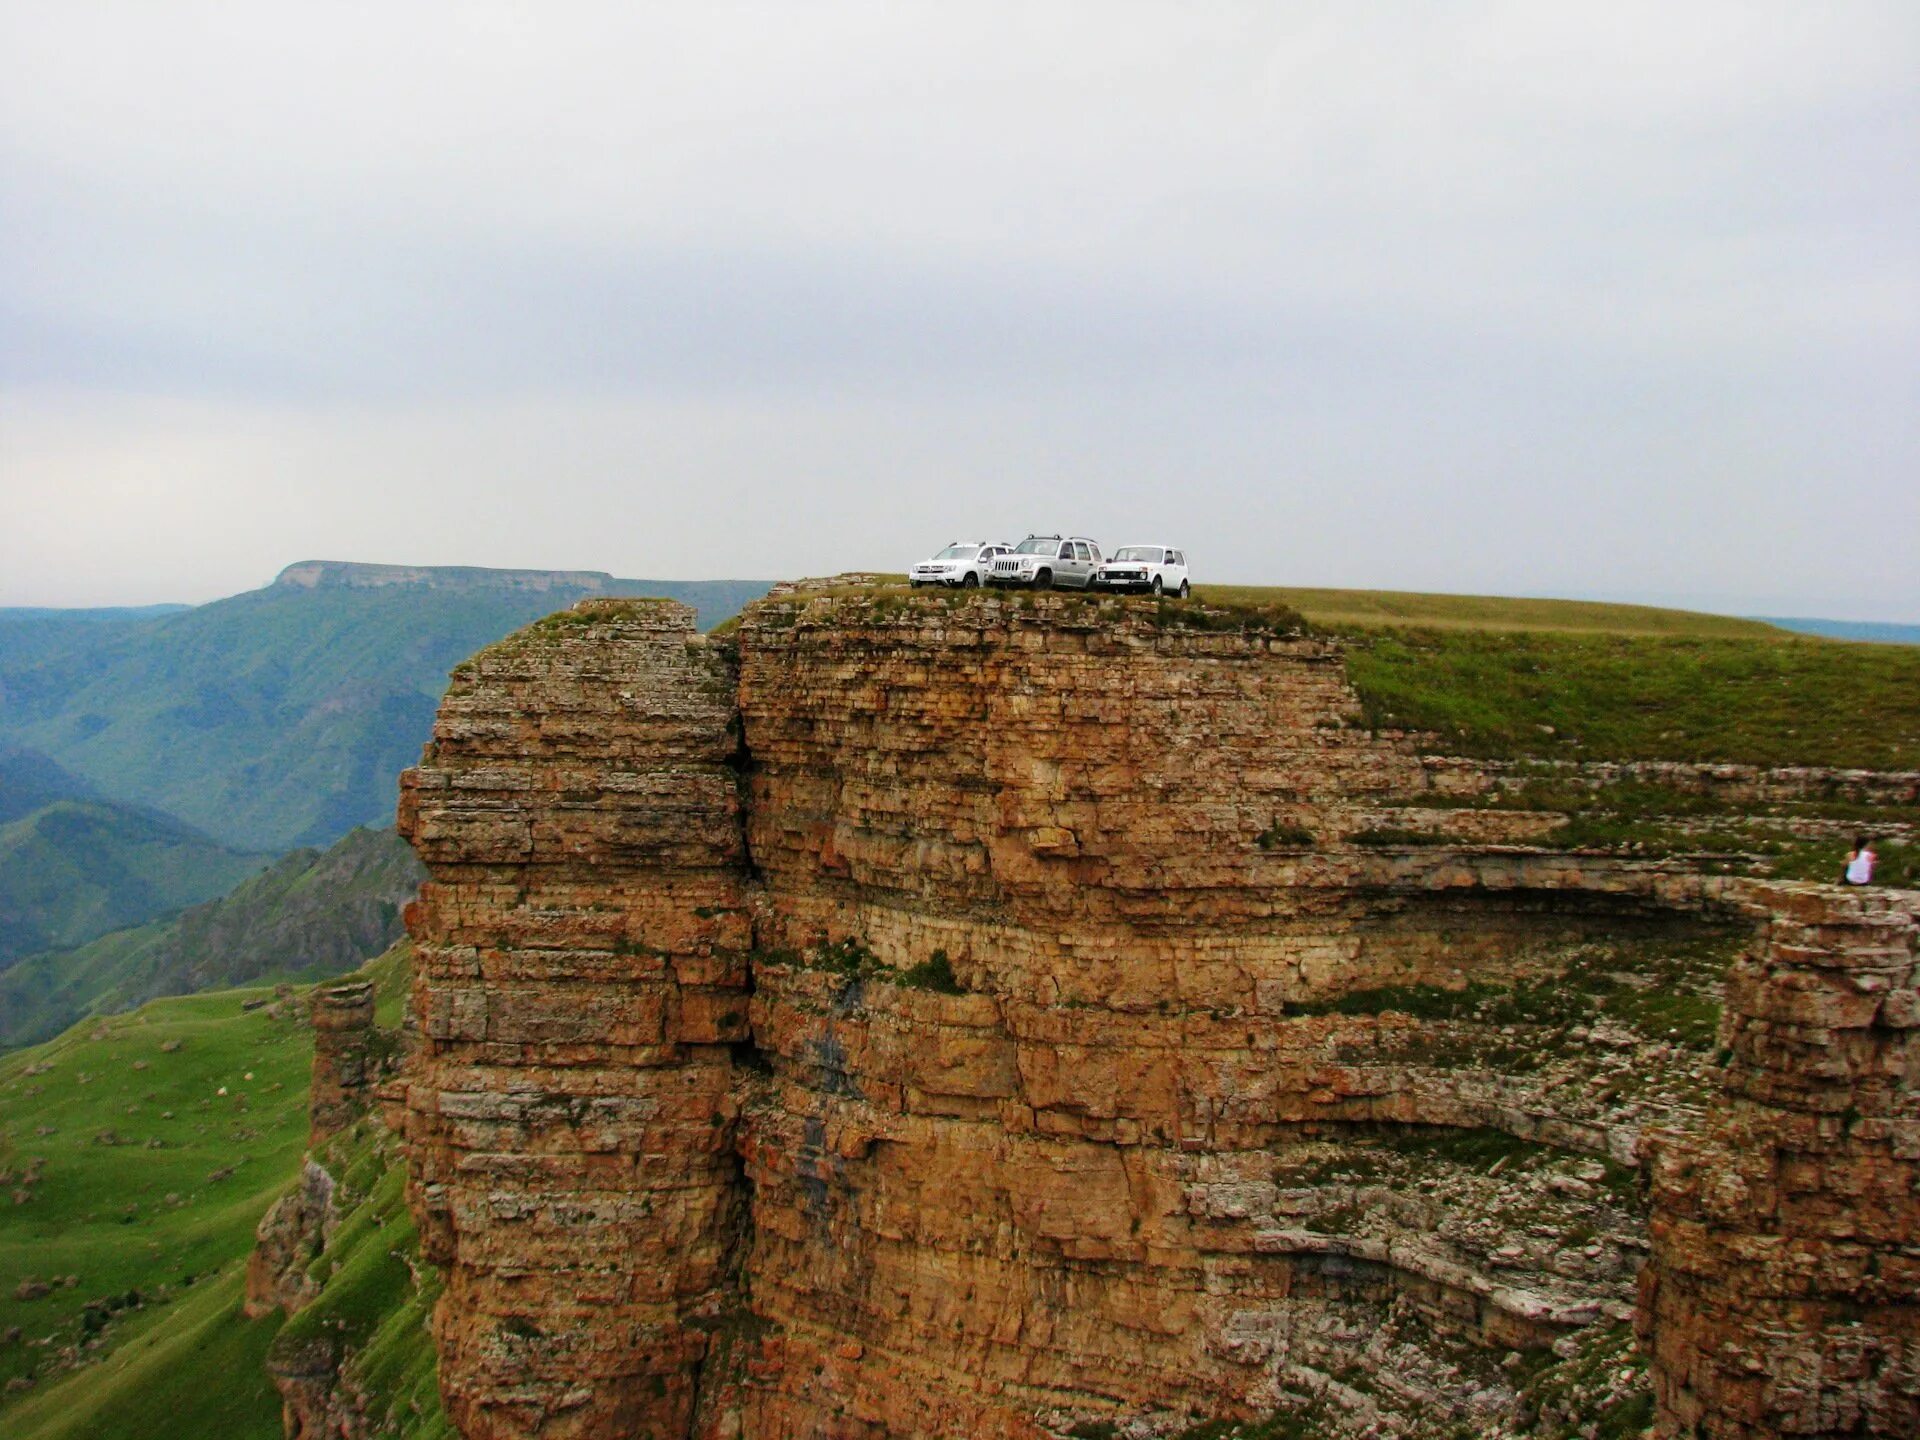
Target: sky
point(1617, 302)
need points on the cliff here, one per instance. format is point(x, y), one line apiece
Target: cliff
point(1025, 1016)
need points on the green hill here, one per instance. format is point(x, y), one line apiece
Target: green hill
point(139, 1153)
point(150, 1337)
point(30, 781)
point(74, 869)
point(308, 916)
point(30, 633)
point(280, 717)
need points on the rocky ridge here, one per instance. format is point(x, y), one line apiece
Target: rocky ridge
point(1002, 1016)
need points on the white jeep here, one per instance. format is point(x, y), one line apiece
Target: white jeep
point(964, 563)
point(1046, 561)
point(1145, 570)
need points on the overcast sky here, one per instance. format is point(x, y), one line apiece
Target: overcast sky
point(1449, 296)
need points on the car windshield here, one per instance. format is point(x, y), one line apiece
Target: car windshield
point(957, 552)
point(1149, 553)
point(1033, 545)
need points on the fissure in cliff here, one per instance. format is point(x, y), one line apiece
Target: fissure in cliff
point(1026, 1031)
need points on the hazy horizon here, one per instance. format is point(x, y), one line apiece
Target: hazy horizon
point(1489, 299)
point(1706, 604)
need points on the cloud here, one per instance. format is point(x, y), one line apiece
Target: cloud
point(1632, 290)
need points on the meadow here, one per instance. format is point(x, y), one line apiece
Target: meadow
point(139, 1153)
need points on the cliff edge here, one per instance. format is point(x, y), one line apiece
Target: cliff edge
point(1030, 1016)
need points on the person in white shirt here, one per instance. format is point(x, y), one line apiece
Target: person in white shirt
point(1860, 863)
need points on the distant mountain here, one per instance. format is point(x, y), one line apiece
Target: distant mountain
point(96, 615)
point(75, 868)
point(1877, 631)
point(31, 633)
point(30, 781)
point(281, 717)
point(310, 915)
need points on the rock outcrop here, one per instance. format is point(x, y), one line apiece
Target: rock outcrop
point(1013, 1016)
point(580, 978)
point(1784, 1293)
point(292, 1232)
point(345, 1062)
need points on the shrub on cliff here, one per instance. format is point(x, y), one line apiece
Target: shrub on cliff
point(933, 973)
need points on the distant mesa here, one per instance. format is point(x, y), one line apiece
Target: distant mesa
point(353, 575)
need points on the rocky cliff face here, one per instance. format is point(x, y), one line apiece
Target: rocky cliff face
point(580, 979)
point(1023, 1017)
point(1782, 1297)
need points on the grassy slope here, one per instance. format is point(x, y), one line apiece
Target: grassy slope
point(1641, 697)
point(371, 1309)
point(1337, 609)
point(75, 869)
point(275, 718)
point(194, 1359)
point(173, 1223)
point(1573, 680)
point(202, 1367)
point(309, 916)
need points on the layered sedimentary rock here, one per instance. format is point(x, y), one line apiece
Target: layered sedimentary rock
point(1130, 843)
point(580, 972)
point(345, 1067)
point(1784, 1293)
point(1059, 1032)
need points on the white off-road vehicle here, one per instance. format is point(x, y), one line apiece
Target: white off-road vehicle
point(1145, 570)
point(964, 563)
point(1046, 561)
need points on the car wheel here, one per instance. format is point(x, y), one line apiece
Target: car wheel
point(1157, 587)
point(972, 582)
point(1185, 589)
point(1044, 580)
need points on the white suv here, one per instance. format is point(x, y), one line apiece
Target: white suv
point(1145, 569)
point(964, 563)
point(1044, 561)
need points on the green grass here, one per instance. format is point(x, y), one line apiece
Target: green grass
point(1371, 609)
point(201, 1373)
point(1306, 1423)
point(854, 960)
point(934, 973)
point(370, 1312)
point(172, 1223)
point(1568, 1398)
point(1898, 867)
point(184, 1361)
point(392, 977)
point(1645, 697)
point(1803, 839)
point(1341, 609)
point(1662, 987)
